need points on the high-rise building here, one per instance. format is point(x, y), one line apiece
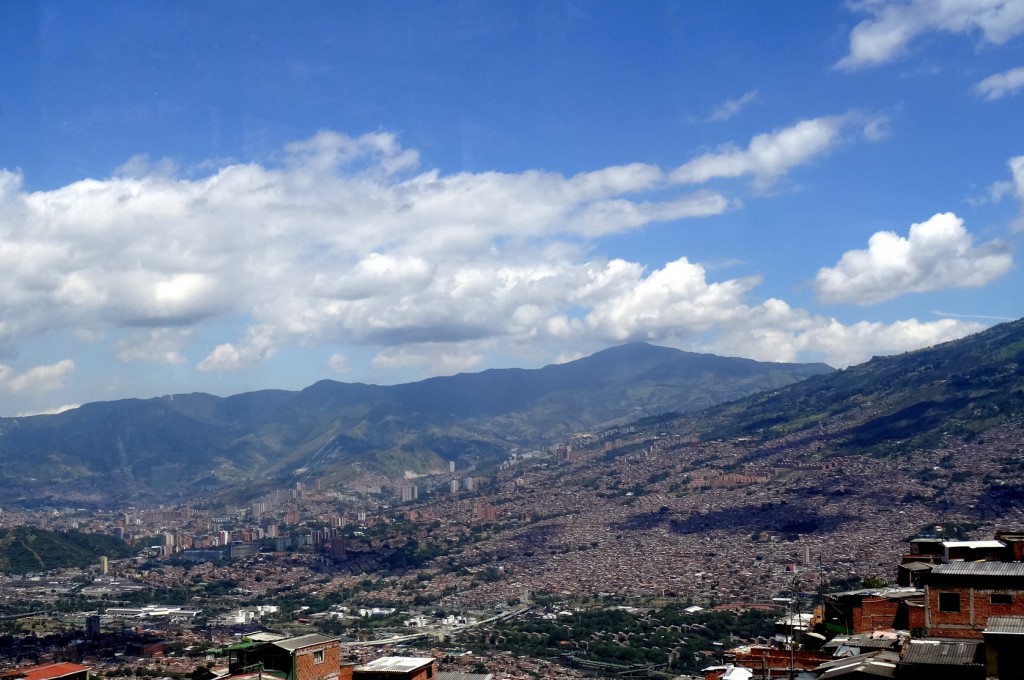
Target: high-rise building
point(410, 492)
point(92, 626)
point(469, 484)
point(104, 565)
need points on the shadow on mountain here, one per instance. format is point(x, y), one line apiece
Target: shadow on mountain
point(999, 499)
point(908, 422)
point(784, 518)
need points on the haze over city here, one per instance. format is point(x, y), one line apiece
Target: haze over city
point(236, 196)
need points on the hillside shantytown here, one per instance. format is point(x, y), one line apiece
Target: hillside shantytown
point(684, 546)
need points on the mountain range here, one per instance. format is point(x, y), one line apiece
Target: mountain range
point(187, 445)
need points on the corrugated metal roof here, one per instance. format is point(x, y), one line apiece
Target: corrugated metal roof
point(941, 652)
point(889, 593)
point(291, 644)
point(395, 664)
point(864, 641)
point(975, 545)
point(447, 675)
point(980, 569)
point(1005, 625)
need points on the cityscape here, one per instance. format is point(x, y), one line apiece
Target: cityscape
point(516, 340)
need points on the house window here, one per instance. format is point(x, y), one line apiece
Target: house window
point(1002, 598)
point(949, 602)
point(318, 656)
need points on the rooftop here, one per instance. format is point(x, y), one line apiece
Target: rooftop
point(52, 670)
point(974, 545)
point(1005, 625)
point(941, 652)
point(291, 644)
point(396, 664)
point(980, 569)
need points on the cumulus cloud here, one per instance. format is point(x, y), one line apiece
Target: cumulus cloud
point(677, 305)
point(38, 379)
point(770, 155)
point(259, 345)
point(1000, 85)
point(894, 24)
point(338, 363)
point(347, 241)
point(938, 253)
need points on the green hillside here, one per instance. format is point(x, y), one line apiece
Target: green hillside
point(959, 388)
point(24, 550)
point(198, 444)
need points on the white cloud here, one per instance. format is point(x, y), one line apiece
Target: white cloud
point(938, 253)
point(677, 305)
point(338, 363)
point(771, 155)
point(49, 411)
point(430, 358)
point(894, 24)
point(345, 227)
point(1000, 85)
point(159, 345)
point(732, 107)
point(348, 242)
point(38, 379)
point(259, 345)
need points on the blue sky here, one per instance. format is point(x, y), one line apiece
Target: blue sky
point(233, 196)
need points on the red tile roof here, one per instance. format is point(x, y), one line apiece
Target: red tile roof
point(52, 671)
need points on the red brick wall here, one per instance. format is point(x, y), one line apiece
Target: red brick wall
point(875, 613)
point(306, 667)
point(975, 608)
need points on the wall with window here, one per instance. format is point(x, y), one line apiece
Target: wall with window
point(320, 662)
point(962, 611)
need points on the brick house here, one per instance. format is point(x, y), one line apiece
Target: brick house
point(307, 657)
point(864, 611)
point(961, 596)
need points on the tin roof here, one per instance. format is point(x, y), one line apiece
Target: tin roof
point(1005, 625)
point(880, 664)
point(865, 641)
point(974, 545)
point(395, 664)
point(291, 644)
point(941, 652)
point(980, 569)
